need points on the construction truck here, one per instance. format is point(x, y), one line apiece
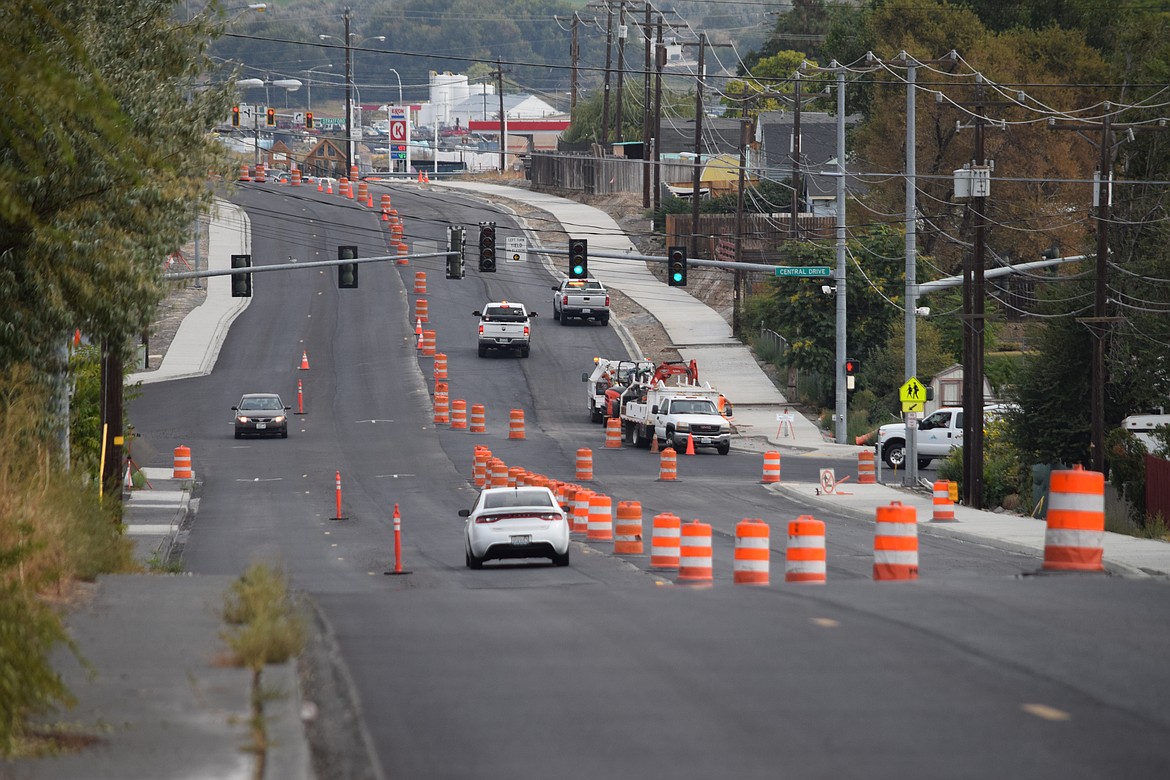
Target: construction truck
point(674, 415)
point(608, 380)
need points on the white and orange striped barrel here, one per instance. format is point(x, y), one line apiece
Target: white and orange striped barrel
point(296, 177)
point(580, 522)
point(428, 343)
point(1074, 538)
point(245, 173)
point(771, 467)
point(866, 475)
point(182, 467)
point(584, 463)
point(804, 558)
point(516, 424)
point(943, 508)
point(627, 530)
point(440, 366)
point(499, 473)
point(478, 419)
point(363, 191)
point(895, 543)
point(567, 495)
point(420, 282)
point(752, 554)
point(442, 408)
point(385, 203)
point(600, 522)
point(353, 172)
point(458, 415)
point(695, 554)
point(664, 541)
point(260, 173)
point(342, 186)
point(514, 473)
point(667, 465)
point(479, 466)
point(421, 309)
point(613, 433)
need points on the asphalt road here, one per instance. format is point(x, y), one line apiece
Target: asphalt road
point(603, 668)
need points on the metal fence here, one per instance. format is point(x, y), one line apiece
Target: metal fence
point(592, 175)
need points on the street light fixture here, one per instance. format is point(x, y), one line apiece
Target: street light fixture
point(348, 42)
point(291, 85)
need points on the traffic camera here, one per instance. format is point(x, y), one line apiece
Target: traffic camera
point(578, 258)
point(455, 267)
point(676, 266)
point(242, 282)
point(347, 273)
point(487, 246)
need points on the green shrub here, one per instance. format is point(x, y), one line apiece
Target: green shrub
point(266, 626)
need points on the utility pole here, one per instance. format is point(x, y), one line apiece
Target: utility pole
point(348, 98)
point(697, 179)
point(796, 187)
point(910, 470)
point(974, 327)
point(842, 395)
point(621, 74)
point(659, 64)
point(1100, 333)
point(608, 64)
point(646, 129)
point(503, 117)
point(745, 135)
point(574, 56)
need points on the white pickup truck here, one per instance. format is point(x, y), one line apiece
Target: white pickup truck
point(586, 299)
point(938, 433)
point(504, 325)
point(675, 415)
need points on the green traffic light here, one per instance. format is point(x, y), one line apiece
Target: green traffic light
point(578, 270)
point(677, 276)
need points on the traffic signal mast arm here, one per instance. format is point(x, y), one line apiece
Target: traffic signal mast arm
point(294, 266)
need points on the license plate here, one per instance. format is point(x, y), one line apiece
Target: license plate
point(520, 541)
point(587, 311)
point(704, 440)
point(260, 426)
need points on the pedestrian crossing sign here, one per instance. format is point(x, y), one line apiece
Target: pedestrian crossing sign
point(912, 395)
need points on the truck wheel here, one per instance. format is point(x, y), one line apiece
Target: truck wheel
point(924, 462)
point(639, 437)
point(724, 448)
point(524, 352)
point(605, 320)
point(483, 351)
point(564, 318)
point(556, 313)
point(894, 453)
point(594, 414)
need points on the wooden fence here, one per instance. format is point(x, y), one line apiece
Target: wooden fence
point(593, 175)
point(1158, 487)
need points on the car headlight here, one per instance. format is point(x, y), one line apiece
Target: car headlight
point(242, 419)
point(279, 419)
point(683, 427)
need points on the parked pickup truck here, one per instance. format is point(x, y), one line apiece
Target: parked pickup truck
point(586, 299)
point(938, 433)
point(675, 416)
point(504, 325)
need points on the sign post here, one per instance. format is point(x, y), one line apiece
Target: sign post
point(399, 137)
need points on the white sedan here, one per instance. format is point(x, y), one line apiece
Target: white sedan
point(519, 522)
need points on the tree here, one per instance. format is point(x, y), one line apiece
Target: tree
point(771, 80)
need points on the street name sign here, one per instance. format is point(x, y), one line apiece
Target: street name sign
point(804, 270)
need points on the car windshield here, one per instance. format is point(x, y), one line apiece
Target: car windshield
point(501, 314)
point(510, 498)
point(265, 404)
point(692, 407)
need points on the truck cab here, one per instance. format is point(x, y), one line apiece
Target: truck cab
point(504, 325)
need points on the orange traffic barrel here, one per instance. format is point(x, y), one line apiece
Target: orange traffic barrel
point(402, 249)
point(245, 173)
point(363, 191)
point(499, 473)
point(296, 177)
point(694, 561)
point(599, 527)
point(866, 475)
point(440, 366)
point(771, 467)
point(420, 309)
point(479, 467)
point(613, 433)
point(664, 541)
point(804, 558)
point(580, 522)
point(895, 543)
point(420, 282)
point(428, 343)
point(667, 465)
point(386, 204)
point(260, 173)
point(1074, 538)
point(516, 424)
point(442, 408)
point(627, 531)
point(478, 422)
point(944, 508)
point(514, 473)
point(342, 185)
point(458, 415)
point(353, 172)
point(584, 463)
point(752, 553)
point(182, 468)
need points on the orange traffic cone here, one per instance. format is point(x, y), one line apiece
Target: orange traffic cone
point(369, 201)
point(420, 175)
point(330, 190)
point(426, 178)
point(385, 217)
point(690, 444)
point(304, 361)
point(653, 442)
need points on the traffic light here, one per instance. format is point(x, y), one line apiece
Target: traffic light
point(455, 244)
point(487, 246)
point(308, 120)
point(578, 258)
point(270, 117)
point(242, 283)
point(235, 116)
point(347, 273)
point(676, 266)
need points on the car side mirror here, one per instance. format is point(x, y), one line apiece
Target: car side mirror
point(465, 513)
point(287, 408)
point(235, 408)
point(555, 287)
point(477, 313)
point(533, 314)
point(654, 409)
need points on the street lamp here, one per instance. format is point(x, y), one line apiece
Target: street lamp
point(309, 83)
point(291, 85)
point(399, 85)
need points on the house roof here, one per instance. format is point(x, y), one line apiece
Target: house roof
point(818, 148)
point(720, 136)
